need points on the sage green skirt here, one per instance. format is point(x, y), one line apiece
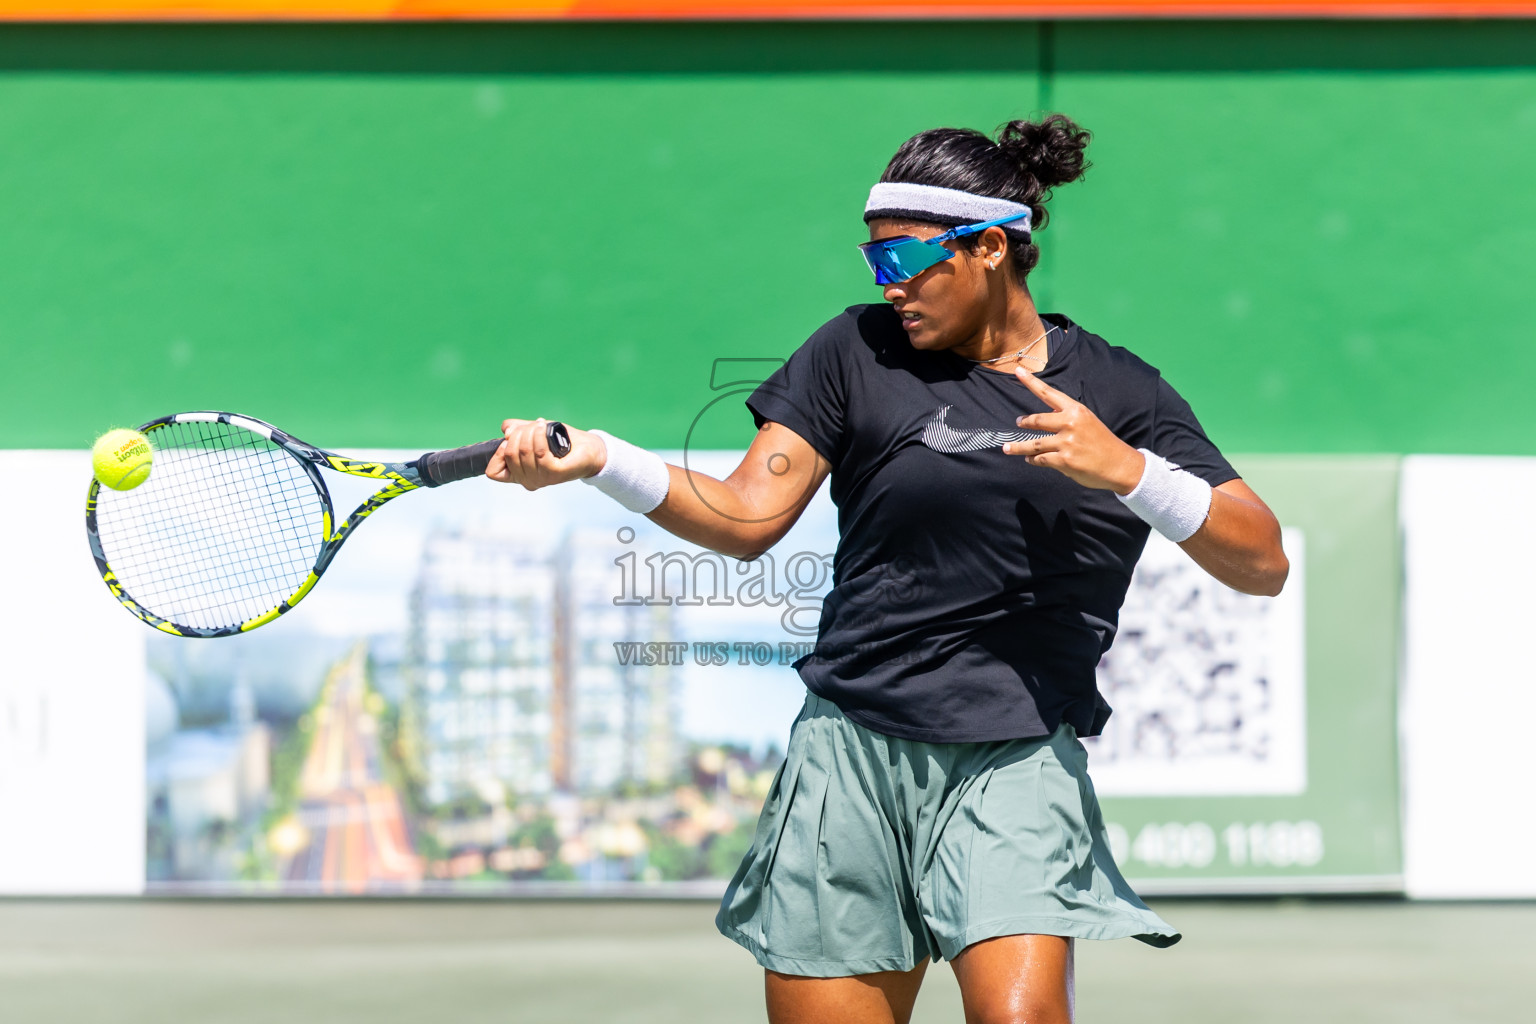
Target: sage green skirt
point(874, 852)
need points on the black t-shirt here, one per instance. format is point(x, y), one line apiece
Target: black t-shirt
point(973, 594)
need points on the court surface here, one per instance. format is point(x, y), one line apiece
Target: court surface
point(466, 962)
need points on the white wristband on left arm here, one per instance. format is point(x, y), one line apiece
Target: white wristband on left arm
point(1173, 501)
point(635, 478)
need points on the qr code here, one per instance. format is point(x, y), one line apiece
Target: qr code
point(1207, 684)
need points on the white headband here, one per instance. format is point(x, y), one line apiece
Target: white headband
point(948, 206)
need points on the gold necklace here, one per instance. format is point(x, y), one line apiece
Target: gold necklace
point(1021, 353)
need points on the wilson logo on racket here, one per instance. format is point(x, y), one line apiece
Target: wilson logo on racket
point(234, 527)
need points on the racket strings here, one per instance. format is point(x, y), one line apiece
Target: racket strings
point(223, 564)
point(262, 560)
point(227, 526)
point(229, 551)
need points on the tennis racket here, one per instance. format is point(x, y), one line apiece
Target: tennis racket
point(235, 525)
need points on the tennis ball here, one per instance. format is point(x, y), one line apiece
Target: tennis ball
point(122, 458)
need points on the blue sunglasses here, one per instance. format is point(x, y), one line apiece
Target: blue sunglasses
point(902, 258)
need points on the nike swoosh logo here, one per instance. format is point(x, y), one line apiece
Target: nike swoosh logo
point(942, 437)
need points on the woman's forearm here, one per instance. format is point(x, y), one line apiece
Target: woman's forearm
point(743, 515)
point(749, 511)
point(711, 514)
point(1240, 542)
point(728, 516)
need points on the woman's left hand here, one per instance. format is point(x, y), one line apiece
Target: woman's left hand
point(524, 456)
point(1079, 444)
point(1239, 544)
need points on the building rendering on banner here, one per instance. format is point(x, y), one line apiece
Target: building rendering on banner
point(511, 679)
point(480, 672)
point(205, 787)
point(622, 717)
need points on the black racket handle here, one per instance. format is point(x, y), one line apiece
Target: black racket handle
point(438, 468)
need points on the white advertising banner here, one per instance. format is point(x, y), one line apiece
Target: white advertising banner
point(1469, 695)
point(71, 695)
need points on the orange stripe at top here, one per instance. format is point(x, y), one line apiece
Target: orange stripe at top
point(198, 10)
point(381, 10)
point(953, 9)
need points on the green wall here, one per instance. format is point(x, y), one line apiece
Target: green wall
point(397, 235)
point(1324, 232)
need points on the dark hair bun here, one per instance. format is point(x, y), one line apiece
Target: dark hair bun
point(1025, 161)
point(1051, 150)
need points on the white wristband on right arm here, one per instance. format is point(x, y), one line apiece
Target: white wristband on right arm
point(633, 477)
point(1173, 501)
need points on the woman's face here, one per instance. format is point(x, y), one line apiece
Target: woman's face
point(947, 304)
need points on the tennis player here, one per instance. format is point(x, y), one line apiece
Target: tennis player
point(997, 473)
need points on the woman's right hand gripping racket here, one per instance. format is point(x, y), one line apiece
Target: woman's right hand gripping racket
point(235, 525)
